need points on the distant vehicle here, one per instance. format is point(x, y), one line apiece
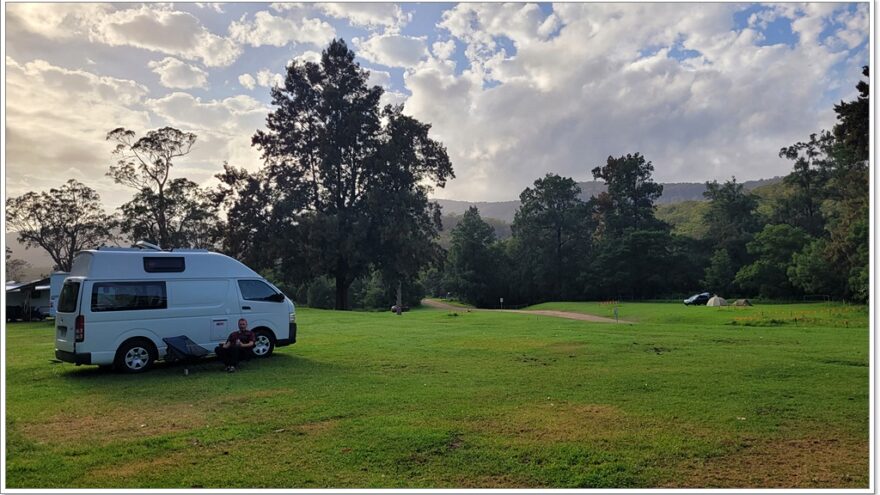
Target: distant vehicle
point(698, 299)
point(117, 304)
point(56, 281)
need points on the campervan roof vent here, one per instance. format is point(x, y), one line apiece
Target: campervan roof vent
point(147, 245)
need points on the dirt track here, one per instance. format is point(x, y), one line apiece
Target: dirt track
point(433, 303)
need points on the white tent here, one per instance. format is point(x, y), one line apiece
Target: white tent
point(717, 301)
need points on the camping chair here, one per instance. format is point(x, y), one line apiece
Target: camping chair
point(182, 349)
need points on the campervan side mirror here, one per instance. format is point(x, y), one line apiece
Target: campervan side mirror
point(277, 297)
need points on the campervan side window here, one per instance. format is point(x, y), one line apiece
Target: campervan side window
point(128, 296)
point(255, 290)
point(67, 299)
point(164, 264)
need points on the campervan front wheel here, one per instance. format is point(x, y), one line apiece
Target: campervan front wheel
point(264, 344)
point(135, 356)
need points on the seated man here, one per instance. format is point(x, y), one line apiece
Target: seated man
point(238, 346)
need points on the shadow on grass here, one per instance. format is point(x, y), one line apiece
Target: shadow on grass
point(270, 367)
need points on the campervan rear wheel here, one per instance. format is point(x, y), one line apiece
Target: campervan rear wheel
point(264, 344)
point(135, 356)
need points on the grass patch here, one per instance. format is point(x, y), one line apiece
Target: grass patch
point(683, 398)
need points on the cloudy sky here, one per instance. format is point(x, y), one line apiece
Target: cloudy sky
point(514, 91)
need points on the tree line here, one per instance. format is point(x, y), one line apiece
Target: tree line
point(339, 216)
point(811, 239)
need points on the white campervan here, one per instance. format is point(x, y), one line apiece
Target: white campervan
point(117, 304)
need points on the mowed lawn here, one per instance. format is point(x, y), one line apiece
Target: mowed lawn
point(768, 396)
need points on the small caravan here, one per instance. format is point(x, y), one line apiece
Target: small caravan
point(117, 304)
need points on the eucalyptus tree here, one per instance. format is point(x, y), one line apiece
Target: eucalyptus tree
point(62, 221)
point(144, 164)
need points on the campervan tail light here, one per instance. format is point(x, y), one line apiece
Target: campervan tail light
point(80, 328)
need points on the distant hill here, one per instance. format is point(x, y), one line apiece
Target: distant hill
point(673, 192)
point(501, 228)
point(40, 261)
point(685, 217)
point(501, 210)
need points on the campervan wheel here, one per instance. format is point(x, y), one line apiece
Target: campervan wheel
point(264, 344)
point(135, 356)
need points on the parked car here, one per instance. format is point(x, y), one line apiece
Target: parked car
point(117, 304)
point(698, 299)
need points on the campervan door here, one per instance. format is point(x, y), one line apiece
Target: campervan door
point(67, 316)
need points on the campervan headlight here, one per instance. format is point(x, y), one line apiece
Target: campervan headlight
point(292, 317)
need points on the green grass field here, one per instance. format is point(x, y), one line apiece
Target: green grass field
point(768, 396)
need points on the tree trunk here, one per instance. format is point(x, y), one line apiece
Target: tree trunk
point(558, 264)
point(341, 293)
point(163, 222)
point(399, 293)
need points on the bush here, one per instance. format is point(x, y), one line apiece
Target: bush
point(321, 293)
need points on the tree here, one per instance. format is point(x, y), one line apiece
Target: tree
point(812, 272)
point(635, 263)
point(631, 243)
point(839, 160)
point(853, 125)
point(62, 221)
point(15, 268)
point(806, 185)
point(406, 223)
point(552, 230)
point(190, 216)
point(245, 198)
point(629, 201)
point(145, 164)
point(730, 219)
point(720, 273)
point(472, 264)
point(330, 154)
point(847, 214)
point(773, 249)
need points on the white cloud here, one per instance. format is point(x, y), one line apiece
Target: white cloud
point(297, 8)
point(224, 128)
point(308, 56)
point(216, 7)
point(522, 23)
point(855, 28)
point(392, 50)
point(379, 78)
point(593, 80)
point(247, 81)
point(174, 73)
point(267, 78)
point(392, 98)
point(264, 77)
point(164, 30)
point(57, 120)
point(369, 15)
point(236, 113)
point(56, 20)
point(268, 29)
point(443, 49)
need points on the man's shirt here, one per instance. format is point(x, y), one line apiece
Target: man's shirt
point(245, 337)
